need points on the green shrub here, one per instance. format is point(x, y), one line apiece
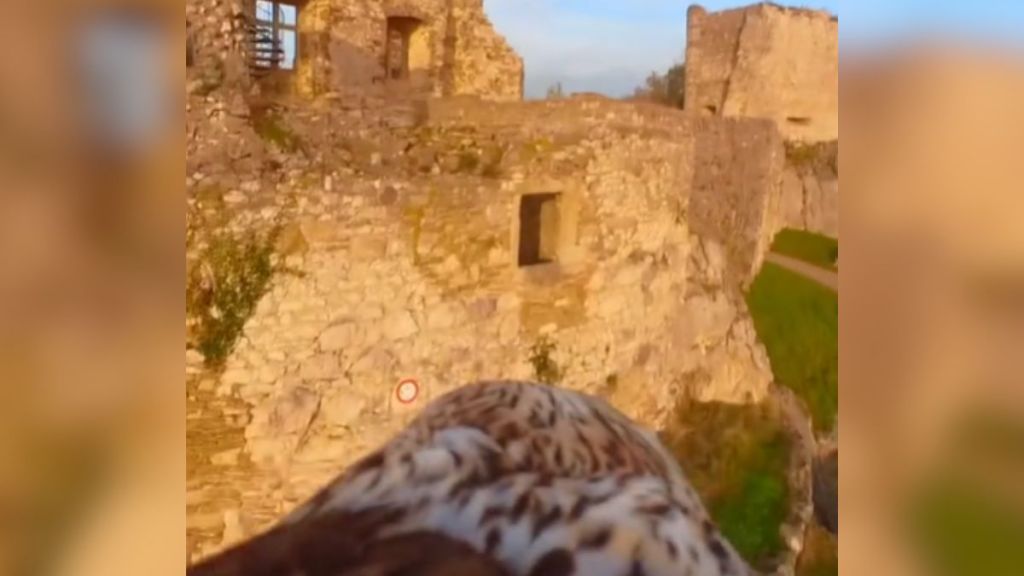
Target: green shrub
point(798, 322)
point(271, 127)
point(737, 457)
point(545, 369)
point(233, 274)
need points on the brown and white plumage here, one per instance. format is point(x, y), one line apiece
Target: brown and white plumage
point(525, 478)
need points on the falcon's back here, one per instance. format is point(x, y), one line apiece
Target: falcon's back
point(501, 478)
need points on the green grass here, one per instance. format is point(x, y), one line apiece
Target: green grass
point(737, 457)
point(807, 246)
point(798, 321)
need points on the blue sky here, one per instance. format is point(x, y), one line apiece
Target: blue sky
point(610, 46)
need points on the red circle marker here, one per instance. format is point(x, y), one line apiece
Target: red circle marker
point(408, 390)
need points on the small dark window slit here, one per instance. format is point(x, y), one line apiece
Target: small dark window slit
point(538, 229)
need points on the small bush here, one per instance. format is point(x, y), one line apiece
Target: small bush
point(271, 128)
point(555, 92)
point(234, 273)
point(545, 369)
point(667, 89)
point(737, 457)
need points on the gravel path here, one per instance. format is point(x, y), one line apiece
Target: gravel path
point(827, 278)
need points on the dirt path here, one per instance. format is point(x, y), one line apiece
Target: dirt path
point(826, 278)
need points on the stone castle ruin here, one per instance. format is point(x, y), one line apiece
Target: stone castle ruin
point(346, 48)
point(434, 229)
point(766, 61)
point(780, 63)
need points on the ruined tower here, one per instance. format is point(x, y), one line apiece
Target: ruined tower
point(766, 61)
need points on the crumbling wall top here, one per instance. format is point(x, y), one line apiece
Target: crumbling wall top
point(696, 10)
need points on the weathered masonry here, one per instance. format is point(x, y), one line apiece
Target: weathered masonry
point(766, 61)
point(347, 47)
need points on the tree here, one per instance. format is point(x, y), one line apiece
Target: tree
point(555, 92)
point(668, 89)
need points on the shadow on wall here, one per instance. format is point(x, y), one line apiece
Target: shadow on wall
point(355, 68)
point(326, 57)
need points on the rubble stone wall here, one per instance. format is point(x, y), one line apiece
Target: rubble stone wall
point(766, 61)
point(736, 190)
point(810, 189)
point(403, 248)
point(343, 48)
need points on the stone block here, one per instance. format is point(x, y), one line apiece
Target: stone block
point(337, 337)
point(399, 325)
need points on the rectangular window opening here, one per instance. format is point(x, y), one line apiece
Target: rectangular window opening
point(538, 229)
point(400, 31)
point(799, 120)
point(275, 40)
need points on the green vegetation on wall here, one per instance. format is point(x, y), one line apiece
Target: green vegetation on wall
point(233, 274)
point(798, 322)
point(808, 156)
point(272, 128)
point(545, 369)
point(667, 89)
point(737, 457)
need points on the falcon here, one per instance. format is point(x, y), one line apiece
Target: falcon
point(499, 479)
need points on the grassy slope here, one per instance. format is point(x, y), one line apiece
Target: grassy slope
point(798, 321)
point(807, 246)
point(737, 457)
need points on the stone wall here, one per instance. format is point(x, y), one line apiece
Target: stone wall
point(403, 245)
point(343, 48)
point(810, 189)
point(766, 61)
point(736, 190)
point(483, 62)
point(216, 43)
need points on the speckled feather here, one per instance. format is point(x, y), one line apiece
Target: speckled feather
point(539, 479)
